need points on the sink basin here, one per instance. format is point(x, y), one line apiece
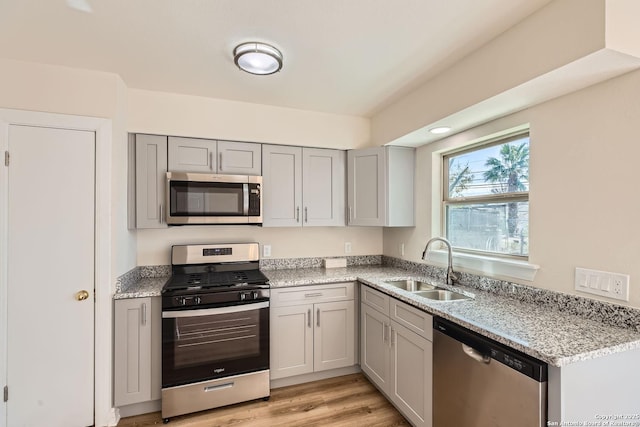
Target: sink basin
point(442, 295)
point(411, 285)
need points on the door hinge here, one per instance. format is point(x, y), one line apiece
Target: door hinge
point(6, 158)
point(6, 393)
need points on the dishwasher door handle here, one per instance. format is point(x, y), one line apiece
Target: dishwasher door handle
point(475, 354)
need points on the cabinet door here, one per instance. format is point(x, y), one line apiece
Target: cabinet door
point(239, 158)
point(132, 351)
point(411, 375)
point(282, 186)
point(192, 155)
point(151, 174)
point(374, 346)
point(291, 340)
point(366, 186)
point(323, 179)
point(400, 169)
point(334, 335)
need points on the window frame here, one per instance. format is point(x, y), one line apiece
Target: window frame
point(446, 201)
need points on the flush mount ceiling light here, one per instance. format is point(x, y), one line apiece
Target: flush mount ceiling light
point(257, 58)
point(440, 129)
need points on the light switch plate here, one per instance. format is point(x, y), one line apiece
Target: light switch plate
point(603, 283)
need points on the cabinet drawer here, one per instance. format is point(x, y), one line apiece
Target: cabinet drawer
point(311, 294)
point(412, 318)
point(375, 299)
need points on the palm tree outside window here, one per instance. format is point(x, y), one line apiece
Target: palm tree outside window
point(486, 197)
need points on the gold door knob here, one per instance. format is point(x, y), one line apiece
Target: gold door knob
point(82, 295)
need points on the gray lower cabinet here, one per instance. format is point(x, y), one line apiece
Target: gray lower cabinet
point(147, 191)
point(312, 329)
point(137, 350)
point(396, 353)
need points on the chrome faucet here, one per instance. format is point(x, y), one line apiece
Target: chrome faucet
point(451, 276)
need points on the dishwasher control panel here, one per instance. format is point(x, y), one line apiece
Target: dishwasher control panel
point(523, 363)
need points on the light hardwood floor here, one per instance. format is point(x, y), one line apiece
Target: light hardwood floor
point(343, 401)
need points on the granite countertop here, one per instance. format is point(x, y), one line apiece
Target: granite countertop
point(544, 332)
point(144, 287)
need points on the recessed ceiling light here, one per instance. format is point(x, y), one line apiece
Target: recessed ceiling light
point(440, 129)
point(257, 58)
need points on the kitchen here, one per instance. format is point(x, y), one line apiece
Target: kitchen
point(572, 136)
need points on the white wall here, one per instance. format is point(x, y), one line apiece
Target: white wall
point(154, 245)
point(194, 116)
point(584, 197)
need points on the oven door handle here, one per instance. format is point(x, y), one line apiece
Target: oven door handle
point(214, 311)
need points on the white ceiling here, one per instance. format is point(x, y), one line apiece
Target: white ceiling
point(349, 57)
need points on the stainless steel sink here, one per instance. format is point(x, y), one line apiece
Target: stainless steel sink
point(442, 295)
point(411, 285)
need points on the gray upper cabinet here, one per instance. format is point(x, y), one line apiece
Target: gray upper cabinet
point(150, 152)
point(239, 158)
point(323, 186)
point(303, 186)
point(222, 157)
point(281, 185)
point(192, 155)
point(380, 187)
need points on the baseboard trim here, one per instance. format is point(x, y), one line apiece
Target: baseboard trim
point(314, 376)
point(140, 408)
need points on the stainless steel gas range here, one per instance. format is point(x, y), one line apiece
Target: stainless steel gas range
point(215, 328)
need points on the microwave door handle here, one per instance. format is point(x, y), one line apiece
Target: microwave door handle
point(245, 192)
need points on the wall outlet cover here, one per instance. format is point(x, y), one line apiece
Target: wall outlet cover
point(603, 283)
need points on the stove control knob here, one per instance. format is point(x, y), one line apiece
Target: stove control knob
point(181, 300)
point(243, 296)
point(196, 300)
point(254, 294)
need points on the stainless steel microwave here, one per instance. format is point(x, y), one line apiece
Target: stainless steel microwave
point(202, 198)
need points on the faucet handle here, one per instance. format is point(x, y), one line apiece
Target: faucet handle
point(451, 277)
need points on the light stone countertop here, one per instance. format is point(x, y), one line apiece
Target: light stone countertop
point(144, 287)
point(544, 332)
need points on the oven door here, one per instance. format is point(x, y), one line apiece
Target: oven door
point(209, 343)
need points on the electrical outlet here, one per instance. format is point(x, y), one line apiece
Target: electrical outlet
point(603, 283)
point(401, 249)
point(266, 251)
point(347, 247)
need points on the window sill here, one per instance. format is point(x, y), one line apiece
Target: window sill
point(486, 265)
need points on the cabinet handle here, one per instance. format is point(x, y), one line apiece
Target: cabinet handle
point(308, 318)
point(313, 295)
point(392, 341)
point(384, 333)
point(297, 213)
point(144, 314)
point(219, 387)
point(211, 160)
point(220, 161)
point(349, 213)
point(306, 215)
point(318, 317)
point(161, 219)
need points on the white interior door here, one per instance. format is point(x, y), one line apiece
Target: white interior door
point(50, 260)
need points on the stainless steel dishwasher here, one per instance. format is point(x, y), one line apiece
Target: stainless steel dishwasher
point(478, 382)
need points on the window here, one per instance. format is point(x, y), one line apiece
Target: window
point(486, 197)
